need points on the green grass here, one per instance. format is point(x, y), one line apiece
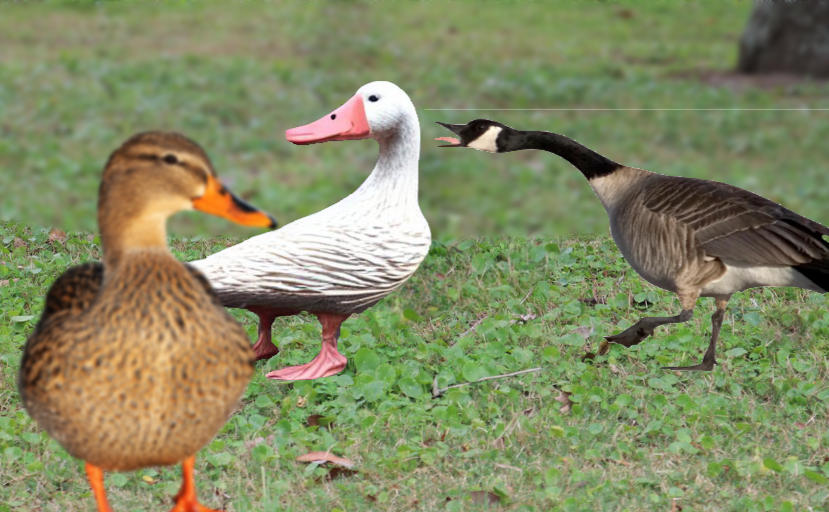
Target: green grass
point(75, 81)
point(749, 436)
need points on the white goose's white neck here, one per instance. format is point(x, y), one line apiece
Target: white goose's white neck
point(394, 178)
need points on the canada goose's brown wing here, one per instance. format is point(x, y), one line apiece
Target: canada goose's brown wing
point(735, 224)
point(74, 290)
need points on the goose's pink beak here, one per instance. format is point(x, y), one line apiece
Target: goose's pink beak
point(346, 123)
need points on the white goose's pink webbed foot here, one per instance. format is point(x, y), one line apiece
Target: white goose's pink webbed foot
point(328, 362)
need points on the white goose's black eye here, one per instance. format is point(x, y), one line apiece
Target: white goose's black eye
point(373, 98)
point(170, 159)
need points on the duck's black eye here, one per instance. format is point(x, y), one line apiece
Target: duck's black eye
point(333, 116)
point(373, 98)
point(170, 159)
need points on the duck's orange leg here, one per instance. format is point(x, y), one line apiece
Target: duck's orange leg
point(95, 475)
point(328, 362)
point(186, 500)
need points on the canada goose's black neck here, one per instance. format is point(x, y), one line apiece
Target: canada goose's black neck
point(591, 164)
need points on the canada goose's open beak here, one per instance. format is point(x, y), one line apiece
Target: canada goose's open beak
point(219, 201)
point(348, 122)
point(453, 142)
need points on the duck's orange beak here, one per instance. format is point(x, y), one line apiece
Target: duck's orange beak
point(218, 200)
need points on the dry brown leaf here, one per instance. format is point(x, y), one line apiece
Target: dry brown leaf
point(564, 398)
point(323, 457)
point(301, 401)
point(675, 506)
point(440, 277)
point(18, 243)
point(485, 498)
point(800, 425)
point(615, 369)
point(57, 235)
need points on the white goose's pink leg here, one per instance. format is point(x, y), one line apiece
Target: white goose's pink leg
point(328, 362)
point(264, 347)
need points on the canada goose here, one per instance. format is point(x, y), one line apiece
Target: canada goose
point(134, 362)
point(346, 258)
point(696, 238)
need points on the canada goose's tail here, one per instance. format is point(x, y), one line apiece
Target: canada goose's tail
point(816, 272)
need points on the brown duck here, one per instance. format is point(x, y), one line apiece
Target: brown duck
point(134, 362)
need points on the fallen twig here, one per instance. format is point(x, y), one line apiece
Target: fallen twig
point(437, 392)
point(473, 326)
point(527, 295)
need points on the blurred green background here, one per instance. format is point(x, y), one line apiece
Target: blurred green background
point(75, 81)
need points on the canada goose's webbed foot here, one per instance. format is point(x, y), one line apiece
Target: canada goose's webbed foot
point(634, 334)
point(637, 332)
point(186, 498)
point(707, 364)
point(710, 357)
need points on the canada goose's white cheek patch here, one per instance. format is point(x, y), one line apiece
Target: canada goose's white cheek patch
point(487, 141)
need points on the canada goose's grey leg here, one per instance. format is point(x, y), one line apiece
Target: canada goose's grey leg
point(637, 332)
point(709, 359)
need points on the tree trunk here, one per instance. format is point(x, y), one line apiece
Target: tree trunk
point(787, 36)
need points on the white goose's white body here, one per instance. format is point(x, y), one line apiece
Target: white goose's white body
point(343, 259)
point(347, 257)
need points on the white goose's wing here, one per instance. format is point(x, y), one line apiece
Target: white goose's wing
point(336, 266)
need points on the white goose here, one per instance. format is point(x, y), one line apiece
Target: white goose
point(344, 259)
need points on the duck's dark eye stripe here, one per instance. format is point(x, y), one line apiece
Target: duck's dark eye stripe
point(147, 156)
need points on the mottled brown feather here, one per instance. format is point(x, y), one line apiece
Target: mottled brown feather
point(735, 224)
point(144, 372)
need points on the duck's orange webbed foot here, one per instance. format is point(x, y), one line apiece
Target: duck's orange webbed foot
point(186, 500)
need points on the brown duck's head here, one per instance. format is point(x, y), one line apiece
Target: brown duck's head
point(157, 174)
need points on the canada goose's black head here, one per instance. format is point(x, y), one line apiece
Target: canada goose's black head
point(481, 134)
